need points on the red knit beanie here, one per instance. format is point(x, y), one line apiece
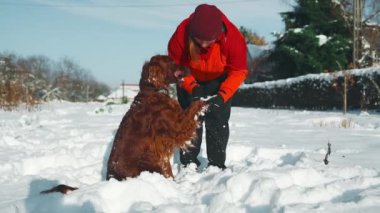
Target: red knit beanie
point(206, 22)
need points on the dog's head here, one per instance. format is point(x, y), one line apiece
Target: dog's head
point(161, 71)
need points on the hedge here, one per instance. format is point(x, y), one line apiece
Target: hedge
point(315, 91)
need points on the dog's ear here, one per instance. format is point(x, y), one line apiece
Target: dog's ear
point(165, 61)
point(153, 75)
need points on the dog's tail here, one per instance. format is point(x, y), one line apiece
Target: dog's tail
point(62, 188)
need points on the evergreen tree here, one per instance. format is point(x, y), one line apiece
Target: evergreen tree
point(317, 39)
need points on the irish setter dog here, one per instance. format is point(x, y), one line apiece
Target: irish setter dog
point(154, 126)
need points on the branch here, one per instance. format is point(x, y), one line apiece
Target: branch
point(371, 16)
point(376, 85)
point(326, 161)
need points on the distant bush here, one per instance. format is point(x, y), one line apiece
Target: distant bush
point(314, 91)
point(32, 80)
point(124, 100)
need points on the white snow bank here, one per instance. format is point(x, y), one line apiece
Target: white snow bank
point(322, 76)
point(274, 160)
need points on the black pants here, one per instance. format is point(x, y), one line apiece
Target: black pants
point(216, 125)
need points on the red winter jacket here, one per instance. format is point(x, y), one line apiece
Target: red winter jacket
point(228, 55)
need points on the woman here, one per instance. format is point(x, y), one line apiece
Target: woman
point(215, 51)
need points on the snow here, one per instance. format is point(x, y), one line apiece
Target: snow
point(322, 39)
point(298, 30)
point(321, 76)
point(274, 164)
point(129, 91)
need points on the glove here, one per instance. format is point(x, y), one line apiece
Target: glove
point(215, 102)
point(197, 93)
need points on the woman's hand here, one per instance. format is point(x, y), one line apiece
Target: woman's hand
point(215, 102)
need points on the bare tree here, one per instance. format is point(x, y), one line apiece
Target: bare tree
point(369, 32)
point(18, 84)
point(34, 79)
point(371, 11)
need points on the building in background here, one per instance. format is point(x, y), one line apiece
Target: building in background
point(123, 92)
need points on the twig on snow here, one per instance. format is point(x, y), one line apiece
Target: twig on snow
point(326, 161)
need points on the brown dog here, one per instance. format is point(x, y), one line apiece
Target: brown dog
point(154, 126)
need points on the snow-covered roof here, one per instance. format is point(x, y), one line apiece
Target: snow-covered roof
point(129, 91)
point(101, 98)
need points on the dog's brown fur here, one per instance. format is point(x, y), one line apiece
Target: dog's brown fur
point(154, 126)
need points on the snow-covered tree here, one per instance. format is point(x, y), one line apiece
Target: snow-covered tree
point(317, 39)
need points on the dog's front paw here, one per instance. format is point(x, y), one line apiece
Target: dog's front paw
point(188, 144)
point(203, 110)
point(200, 108)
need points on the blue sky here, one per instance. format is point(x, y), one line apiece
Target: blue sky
point(113, 38)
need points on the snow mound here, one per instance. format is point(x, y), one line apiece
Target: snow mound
point(274, 164)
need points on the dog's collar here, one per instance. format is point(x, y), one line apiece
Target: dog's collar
point(152, 90)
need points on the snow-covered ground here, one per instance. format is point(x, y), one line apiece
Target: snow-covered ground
point(274, 159)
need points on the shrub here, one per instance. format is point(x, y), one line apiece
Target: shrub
point(314, 91)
